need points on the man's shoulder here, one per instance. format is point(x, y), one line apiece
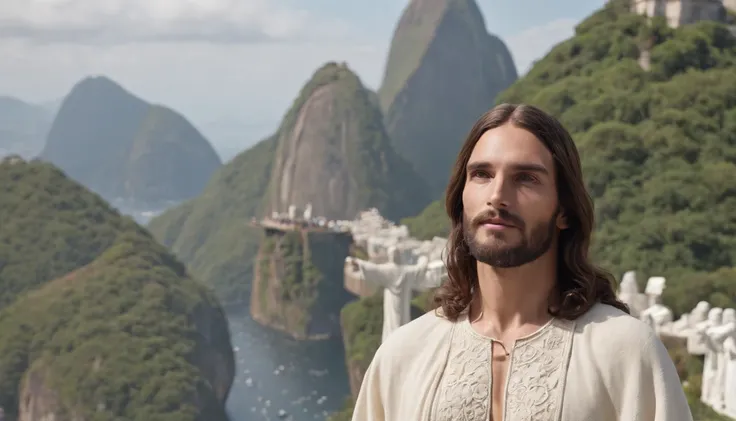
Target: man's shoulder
point(612, 330)
point(423, 333)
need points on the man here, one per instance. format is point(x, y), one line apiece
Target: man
point(526, 327)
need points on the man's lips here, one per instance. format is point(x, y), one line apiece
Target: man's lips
point(496, 223)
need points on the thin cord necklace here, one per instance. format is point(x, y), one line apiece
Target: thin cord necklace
point(480, 315)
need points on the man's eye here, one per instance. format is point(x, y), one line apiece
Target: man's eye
point(479, 174)
point(526, 178)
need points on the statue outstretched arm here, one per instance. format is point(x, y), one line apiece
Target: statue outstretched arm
point(380, 274)
point(720, 333)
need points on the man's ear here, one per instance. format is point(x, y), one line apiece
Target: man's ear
point(561, 221)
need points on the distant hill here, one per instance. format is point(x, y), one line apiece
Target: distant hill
point(126, 149)
point(23, 127)
point(96, 318)
point(443, 71)
point(330, 150)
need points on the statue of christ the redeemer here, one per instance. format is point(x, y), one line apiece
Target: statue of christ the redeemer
point(398, 281)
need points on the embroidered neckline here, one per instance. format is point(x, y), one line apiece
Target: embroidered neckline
point(468, 327)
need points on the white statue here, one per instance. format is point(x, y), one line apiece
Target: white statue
point(729, 389)
point(718, 336)
point(292, 212)
point(710, 365)
point(695, 344)
point(629, 294)
point(398, 281)
point(308, 212)
point(657, 314)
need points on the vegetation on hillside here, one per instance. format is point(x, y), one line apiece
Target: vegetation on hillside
point(97, 313)
point(658, 147)
point(211, 233)
point(431, 222)
point(50, 226)
point(363, 323)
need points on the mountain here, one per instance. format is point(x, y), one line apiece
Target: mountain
point(97, 320)
point(23, 127)
point(126, 149)
point(443, 71)
point(330, 150)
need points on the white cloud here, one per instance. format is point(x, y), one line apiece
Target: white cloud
point(534, 43)
point(124, 21)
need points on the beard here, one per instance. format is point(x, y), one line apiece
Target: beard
point(499, 253)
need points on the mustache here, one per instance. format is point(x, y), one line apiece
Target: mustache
point(503, 214)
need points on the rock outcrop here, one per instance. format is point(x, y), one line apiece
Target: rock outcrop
point(96, 316)
point(443, 71)
point(297, 283)
point(336, 154)
point(126, 149)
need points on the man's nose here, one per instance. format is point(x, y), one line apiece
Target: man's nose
point(498, 196)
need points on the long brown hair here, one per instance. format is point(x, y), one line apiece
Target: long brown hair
point(579, 283)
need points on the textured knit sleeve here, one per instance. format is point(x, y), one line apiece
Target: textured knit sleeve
point(369, 405)
point(651, 386)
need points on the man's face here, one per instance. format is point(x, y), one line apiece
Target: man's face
point(511, 211)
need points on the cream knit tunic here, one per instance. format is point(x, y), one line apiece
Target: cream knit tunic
point(604, 366)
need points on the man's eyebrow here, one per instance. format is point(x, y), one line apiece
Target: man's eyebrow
point(522, 166)
point(529, 167)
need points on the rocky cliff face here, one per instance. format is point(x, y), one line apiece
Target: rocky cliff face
point(126, 149)
point(443, 71)
point(336, 155)
point(298, 285)
point(38, 401)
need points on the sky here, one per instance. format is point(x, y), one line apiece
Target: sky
point(232, 67)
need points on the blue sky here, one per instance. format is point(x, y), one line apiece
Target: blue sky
point(231, 66)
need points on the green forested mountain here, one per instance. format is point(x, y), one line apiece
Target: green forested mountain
point(122, 147)
point(443, 70)
point(330, 150)
point(97, 320)
point(658, 147)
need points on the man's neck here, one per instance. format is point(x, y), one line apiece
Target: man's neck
point(514, 299)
